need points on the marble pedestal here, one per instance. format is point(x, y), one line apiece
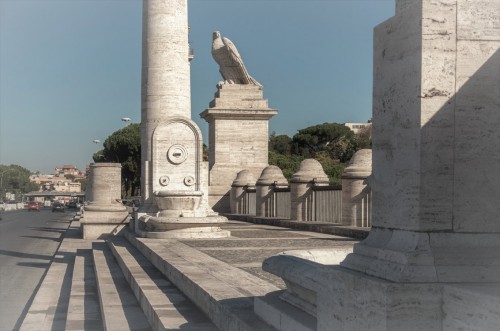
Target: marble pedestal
point(182, 227)
point(232, 150)
point(104, 215)
point(99, 222)
point(179, 182)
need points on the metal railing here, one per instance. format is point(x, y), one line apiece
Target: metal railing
point(327, 204)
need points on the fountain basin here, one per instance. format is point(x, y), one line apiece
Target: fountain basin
point(177, 203)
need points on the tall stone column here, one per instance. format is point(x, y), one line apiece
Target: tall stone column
point(174, 176)
point(165, 76)
point(431, 260)
point(436, 185)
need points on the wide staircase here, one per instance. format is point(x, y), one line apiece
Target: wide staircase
point(130, 283)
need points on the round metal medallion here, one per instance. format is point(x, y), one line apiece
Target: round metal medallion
point(177, 154)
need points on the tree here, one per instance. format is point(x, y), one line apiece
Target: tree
point(281, 144)
point(288, 164)
point(333, 168)
point(124, 147)
point(336, 139)
point(15, 179)
point(332, 144)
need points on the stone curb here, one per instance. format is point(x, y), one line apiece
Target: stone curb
point(326, 228)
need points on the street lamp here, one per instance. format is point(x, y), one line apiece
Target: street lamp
point(125, 120)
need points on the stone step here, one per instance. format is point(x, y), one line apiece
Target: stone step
point(120, 310)
point(474, 307)
point(282, 315)
point(50, 305)
point(163, 304)
point(83, 308)
point(223, 292)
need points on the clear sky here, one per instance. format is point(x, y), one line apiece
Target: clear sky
point(70, 69)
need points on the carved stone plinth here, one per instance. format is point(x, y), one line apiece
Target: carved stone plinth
point(183, 227)
point(238, 120)
point(180, 202)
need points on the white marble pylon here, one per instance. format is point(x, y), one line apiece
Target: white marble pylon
point(174, 183)
point(165, 84)
point(435, 233)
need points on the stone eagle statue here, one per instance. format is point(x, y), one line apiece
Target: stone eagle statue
point(231, 65)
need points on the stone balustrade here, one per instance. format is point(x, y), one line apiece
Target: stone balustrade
point(308, 197)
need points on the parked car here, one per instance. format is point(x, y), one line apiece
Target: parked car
point(33, 206)
point(72, 205)
point(58, 206)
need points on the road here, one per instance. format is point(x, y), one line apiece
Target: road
point(28, 241)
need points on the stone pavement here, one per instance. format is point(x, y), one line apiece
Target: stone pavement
point(220, 276)
point(250, 244)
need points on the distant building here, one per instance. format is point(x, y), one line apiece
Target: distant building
point(65, 186)
point(69, 170)
point(58, 182)
point(41, 179)
point(359, 127)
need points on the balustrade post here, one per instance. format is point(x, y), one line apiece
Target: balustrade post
point(310, 173)
point(271, 177)
point(243, 179)
point(356, 194)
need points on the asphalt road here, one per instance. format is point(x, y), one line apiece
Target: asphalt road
point(28, 241)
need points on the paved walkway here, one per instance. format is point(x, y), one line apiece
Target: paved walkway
point(246, 249)
point(250, 244)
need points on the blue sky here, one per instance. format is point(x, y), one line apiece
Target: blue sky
point(70, 69)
